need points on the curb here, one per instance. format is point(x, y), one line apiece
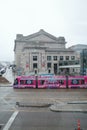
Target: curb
point(68, 110)
point(5, 85)
point(62, 109)
point(77, 102)
point(33, 104)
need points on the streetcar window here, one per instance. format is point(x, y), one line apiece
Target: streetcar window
point(42, 82)
point(15, 81)
point(75, 81)
point(29, 81)
point(61, 81)
point(82, 82)
point(22, 81)
point(52, 81)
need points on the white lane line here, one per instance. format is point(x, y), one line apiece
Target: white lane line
point(10, 121)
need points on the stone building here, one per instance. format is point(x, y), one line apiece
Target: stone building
point(42, 52)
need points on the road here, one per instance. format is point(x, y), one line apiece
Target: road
point(14, 117)
point(43, 120)
point(48, 121)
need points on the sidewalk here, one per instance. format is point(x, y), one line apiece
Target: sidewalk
point(4, 82)
point(5, 85)
point(7, 79)
point(9, 75)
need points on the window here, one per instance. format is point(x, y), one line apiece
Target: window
point(48, 65)
point(61, 57)
point(60, 63)
point(34, 65)
point(72, 57)
point(61, 81)
point(48, 58)
point(75, 81)
point(29, 82)
point(42, 82)
point(82, 81)
point(73, 70)
point(22, 82)
point(67, 57)
point(65, 62)
point(34, 58)
point(15, 81)
point(54, 57)
point(76, 62)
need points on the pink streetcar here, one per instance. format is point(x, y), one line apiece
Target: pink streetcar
point(50, 82)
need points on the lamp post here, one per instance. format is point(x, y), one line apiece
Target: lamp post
point(66, 81)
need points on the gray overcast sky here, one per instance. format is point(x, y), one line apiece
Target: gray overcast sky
point(66, 18)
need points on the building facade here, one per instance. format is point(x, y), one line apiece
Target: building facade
point(83, 56)
point(42, 52)
point(81, 50)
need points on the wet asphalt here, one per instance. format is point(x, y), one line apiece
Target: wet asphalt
point(42, 109)
point(33, 111)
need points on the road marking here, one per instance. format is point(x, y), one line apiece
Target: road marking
point(10, 121)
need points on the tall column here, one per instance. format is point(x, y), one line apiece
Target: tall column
point(43, 61)
point(39, 62)
point(30, 61)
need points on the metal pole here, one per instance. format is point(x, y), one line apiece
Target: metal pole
point(36, 81)
point(83, 61)
point(66, 81)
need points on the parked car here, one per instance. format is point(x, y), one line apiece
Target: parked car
point(2, 71)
